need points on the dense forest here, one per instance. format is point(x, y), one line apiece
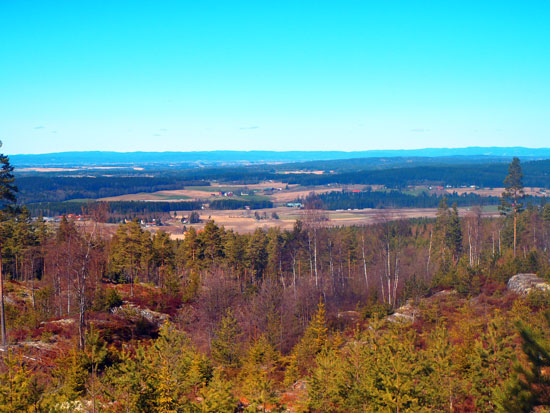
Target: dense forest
point(126, 209)
point(116, 208)
point(410, 315)
point(536, 174)
point(397, 199)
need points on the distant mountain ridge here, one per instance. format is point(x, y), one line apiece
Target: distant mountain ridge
point(97, 158)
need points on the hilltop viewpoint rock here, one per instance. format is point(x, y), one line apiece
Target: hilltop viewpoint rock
point(523, 284)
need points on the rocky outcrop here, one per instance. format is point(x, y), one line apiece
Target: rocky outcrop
point(405, 313)
point(523, 284)
point(349, 316)
point(132, 311)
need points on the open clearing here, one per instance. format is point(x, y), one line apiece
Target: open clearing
point(201, 192)
point(245, 222)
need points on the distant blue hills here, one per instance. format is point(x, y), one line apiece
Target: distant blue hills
point(100, 158)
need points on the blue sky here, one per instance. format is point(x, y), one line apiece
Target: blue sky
point(273, 75)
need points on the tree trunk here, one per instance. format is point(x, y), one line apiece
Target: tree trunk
point(315, 258)
point(515, 231)
point(388, 274)
point(365, 265)
point(429, 255)
point(294, 274)
point(331, 265)
point(470, 244)
point(82, 320)
point(396, 279)
point(2, 311)
point(32, 286)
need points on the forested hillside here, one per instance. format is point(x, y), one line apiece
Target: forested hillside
point(278, 319)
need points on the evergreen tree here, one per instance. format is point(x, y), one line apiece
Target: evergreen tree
point(18, 390)
point(256, 375)
point(225, 345)
point(454, 234)
point(490, 362)
point(217, 396)
point(7, 205)
point(529, 388)
point(312, 343)
point(513, 193)
point(440, 390)
point(160, 377)
point(130, 252)
point(163, 255)
point(257, 253)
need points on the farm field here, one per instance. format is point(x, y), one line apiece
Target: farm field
point(245, 222)
point(201, 192)
point(279, 195)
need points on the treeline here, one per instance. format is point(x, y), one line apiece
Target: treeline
point(536, 174)
point(240, 204)
point(397, 199)
point(117, 208)
point(137, 208)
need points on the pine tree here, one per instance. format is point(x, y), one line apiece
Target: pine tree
point(163, 254)
point(513, 193)
point(130, 252)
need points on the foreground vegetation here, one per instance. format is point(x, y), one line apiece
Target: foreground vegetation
point(272, 319)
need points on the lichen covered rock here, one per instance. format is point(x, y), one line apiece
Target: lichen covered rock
point(523, 284)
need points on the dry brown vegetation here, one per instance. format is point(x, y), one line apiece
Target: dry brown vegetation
point(245, 222)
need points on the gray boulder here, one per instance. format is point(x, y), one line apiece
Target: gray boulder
point(523, 284)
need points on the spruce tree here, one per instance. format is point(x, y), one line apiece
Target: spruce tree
point(453, 236)
point(225, 345)
point(217, 396)
point(257, 372)
point(18, 390)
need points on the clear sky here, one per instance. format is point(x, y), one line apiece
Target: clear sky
point(273, 75)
